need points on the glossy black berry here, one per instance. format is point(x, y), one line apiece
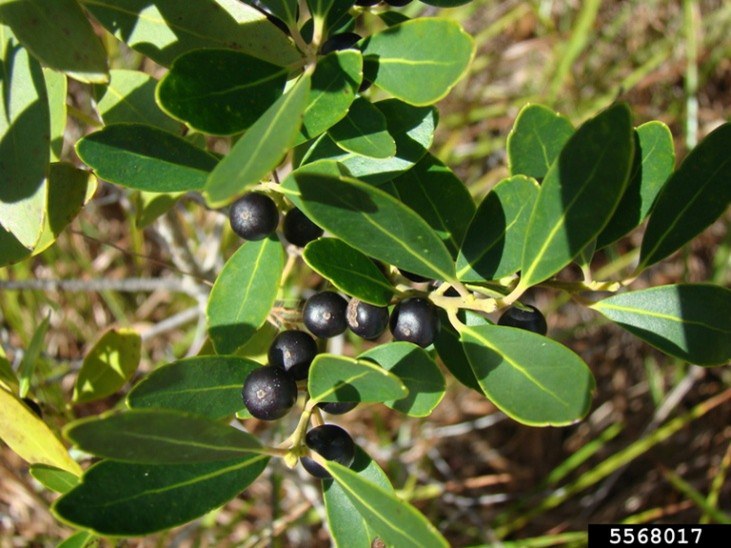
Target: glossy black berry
point(293, 351)
point(254, 216)
point(324, 314)
point(333, 443)
point(530, 320)
point(366, 320)
point(298, 229)
point(398, 3)
point(269, 393)
point(366, 3)
point(415, 320)
point(34, 407)
point(337, 407)
point(337, 42)
point(413, 277)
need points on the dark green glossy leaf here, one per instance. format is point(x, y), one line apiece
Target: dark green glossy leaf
point(329, 10)
point(41, 26)
point(349, 270)
point(286, 10)
point(206, 385)
point(408, 61)
point(452, 353)
point(153, 497)
point(159, 436)
point(363, 131)
point(339, 378)
point(693, 198)
point(54, 478)
point(579, 194)
point(418, 372)
point(261, 148)
point(145, 158)
point(653, 163)
point(531, 378)
point(244, 293)
point(536, 140)
point(56, 89)
point(689, 321)
point(493, 246)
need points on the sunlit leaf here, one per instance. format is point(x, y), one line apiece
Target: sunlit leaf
point(363, 131)
point(339, 378)
point(54, 478)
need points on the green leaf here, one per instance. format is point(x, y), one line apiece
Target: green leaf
point(152, 498)
point(24, 143)
point(149, 206)
point(244, 293)
point(54, 478)
point(417, 370)
point(30, 358)
point(8, 378)
point(349, 270)
point(329, 8)
point(579, 194)
point(412, 128)
point(80, 539)
point(653, 163)
point(166, 29)
point(41, 26)
point(493, 245)
point(536, 140)
point(335, 82)
point(452, 353)
point(286, 10)
point(689, 321)
point(372, 221)
point(130, 154)
point(531, 378)
point(159, 436)
point(11, 250)
point(220, 91)
point(109, 364)
point(395, 521)
point(56, 89)
point(363, 131)
point(409, 62)
point(433, 191)
point(206, 385)
point(261, 148)
point(693, 198)
point(339, 378)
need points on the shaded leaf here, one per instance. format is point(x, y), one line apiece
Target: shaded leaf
point(363, 131)
point(30, 358)
point(8, 378)
point(56, 89)
point(452, 353)
point(286, 10)
point(339, 378)
point(54, 478)
point(11, 250)
point(149, 206)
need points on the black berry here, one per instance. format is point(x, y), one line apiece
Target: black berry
point(366, 320)
point(398, 3)
point(254, 216)
point(324, 314)
point(34, 406)
point(366, 3)
point(413, 277)
point(269, 393)
point(530, 320)
point(415, 320)
point(333, 443)
point(337, 42)
point(298, 229)
point(337, 407)
point(293, 351)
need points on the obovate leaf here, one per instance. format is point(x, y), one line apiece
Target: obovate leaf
point(349, 270)
point(244, 293)
point(145, 158)
point(411, 63)
point(417, 371)
point(493, 245)
point(394, 520)
point(693, 198)
point(339, 378)
point(159, 436)
point(56, 89)
point(689, 321)
point(579, 194)
point(363, 131)
point(150, 498)
point(54, 478)
point(531, 378)
point(206, 385)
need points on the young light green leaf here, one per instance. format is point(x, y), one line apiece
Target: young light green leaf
point(244, 293)
point(159, 436)
point(109, 364)
point(339, 378)
point(363, 131)
point(394, 520)
point(493, 245)
point(531, 378)
point(54, 478)
point(579, 194)
point(693, 198)
point(417, 371)
point(209, 386)
point(653, 163)
point(689, 321)
point(41, 26)
point(80, 539)
point(373, 222)
point(166, 29)
point(536, 140)
point(28, 364)
point(56, 89)
point(261, 148)
point(408, 62)
point(153, 497)
point(349, 270)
